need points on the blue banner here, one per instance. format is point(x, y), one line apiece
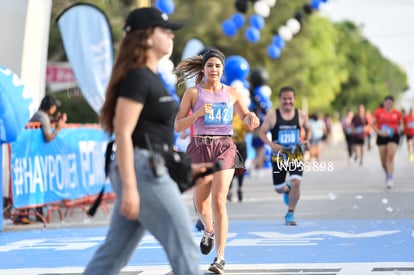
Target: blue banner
point(87, 39)
point(69, 167)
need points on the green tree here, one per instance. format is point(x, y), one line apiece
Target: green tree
point(370, 75)
point(330, 65)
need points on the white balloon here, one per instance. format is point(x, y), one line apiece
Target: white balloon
point(192, 47)
point(293, 25)
point(170, 78)
point(285, 33)
point(246, 96)
point(261, 8)
point(165, 65)
point(237, 83)
point(243, 90)
point(266, 90)
point(270, 3)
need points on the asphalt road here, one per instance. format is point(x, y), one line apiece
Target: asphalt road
point(348, 223)
point(343, 192)
point(331, 189)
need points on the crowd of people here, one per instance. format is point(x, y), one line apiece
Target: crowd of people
point(389, 126)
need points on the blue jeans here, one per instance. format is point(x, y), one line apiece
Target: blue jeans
point(162, 212)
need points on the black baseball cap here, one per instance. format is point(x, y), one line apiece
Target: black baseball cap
point(143, 18)
point(48, 101)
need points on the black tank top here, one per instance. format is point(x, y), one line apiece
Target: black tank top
point(286, 132)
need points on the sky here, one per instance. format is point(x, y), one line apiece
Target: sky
point(386, 23)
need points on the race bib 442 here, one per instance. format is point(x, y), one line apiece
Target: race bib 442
point(221, 114)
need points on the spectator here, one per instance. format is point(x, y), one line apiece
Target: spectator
point(44, 115)
point(138, 107)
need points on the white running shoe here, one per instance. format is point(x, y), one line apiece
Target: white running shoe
point(390, 184)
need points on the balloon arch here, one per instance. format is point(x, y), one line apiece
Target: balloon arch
point(262, 8)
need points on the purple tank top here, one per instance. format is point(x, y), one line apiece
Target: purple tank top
point(219, 122)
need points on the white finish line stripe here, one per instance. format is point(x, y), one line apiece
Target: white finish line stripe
point(406, 268)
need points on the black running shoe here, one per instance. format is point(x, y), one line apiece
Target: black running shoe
point(240, 195)
point(217, 266)
point(207, 243)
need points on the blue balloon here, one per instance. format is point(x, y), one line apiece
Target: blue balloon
point(224, 80)
point(315, 4)
point(257, 21)
point(260, 99)
point(278, 41)
point(252, 34)
point(236, 67)
point(268, 157)
point(252, 106)
point(246, 83)
point(229, 28)
point(273, 51)
point(165, 6)
point(238, 20)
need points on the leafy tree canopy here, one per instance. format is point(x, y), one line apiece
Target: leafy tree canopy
point(331, 65)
